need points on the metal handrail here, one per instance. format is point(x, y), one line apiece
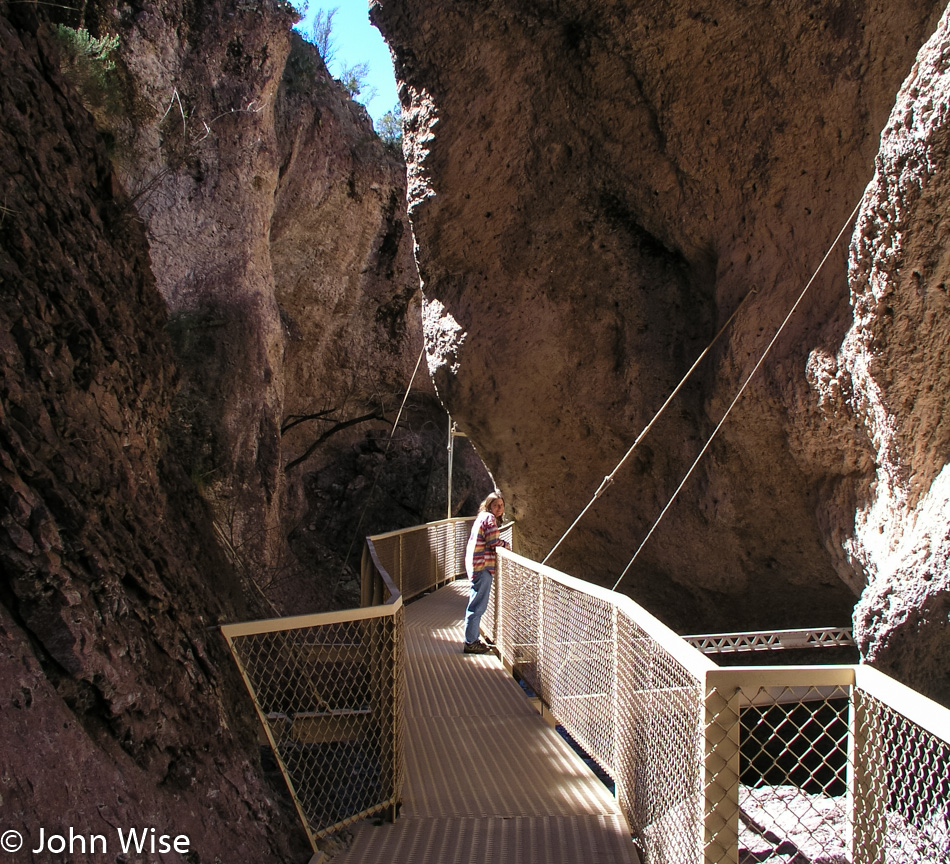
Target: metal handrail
point(694, 749)
point(284, 661)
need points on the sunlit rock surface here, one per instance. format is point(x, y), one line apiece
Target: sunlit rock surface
point(895, 362)
point(594, 188)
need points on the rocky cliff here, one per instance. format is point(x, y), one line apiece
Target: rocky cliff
point(894, 362)
point(276, 224)
point(277, 232)
point(210, 315)
point(595, 187)
point(120, 706)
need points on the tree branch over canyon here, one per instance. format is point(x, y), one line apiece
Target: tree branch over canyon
point(337, 427)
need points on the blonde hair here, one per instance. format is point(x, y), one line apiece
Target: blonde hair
point(489, 500)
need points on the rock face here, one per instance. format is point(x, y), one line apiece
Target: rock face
point(894, 362)
point(347, 288)
point(209, 315)
point(120, 706)
point(277, 230)
point(278, 236)
point(594, 189)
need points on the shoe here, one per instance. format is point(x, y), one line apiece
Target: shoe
point(477, 647)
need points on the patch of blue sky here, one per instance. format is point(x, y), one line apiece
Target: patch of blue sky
point(355, 40)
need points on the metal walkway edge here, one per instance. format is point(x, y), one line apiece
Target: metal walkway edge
point(488, 781)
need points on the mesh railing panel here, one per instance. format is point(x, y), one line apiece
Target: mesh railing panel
point(822, 774)
point(625, 700)
point(421, 558)
point(902, 782)
point(491, 619)
point(448, 544)
point(491, 625)
point(659, 747)
point(420, 563)
point(776, 778)
point(462, 530)
point(506, 532)
point(577, 670)
point(518, 588)
point(388, 550)
point(330, 698)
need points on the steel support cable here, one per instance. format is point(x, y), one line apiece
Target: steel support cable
point(610, 477)
point(369, 497)
point(738, 396)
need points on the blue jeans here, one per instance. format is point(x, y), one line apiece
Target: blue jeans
point(477, 603)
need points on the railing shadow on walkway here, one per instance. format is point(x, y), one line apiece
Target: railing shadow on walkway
point(488, 781)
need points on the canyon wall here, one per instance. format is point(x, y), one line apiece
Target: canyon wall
point(278, 237)
point(210, 316)
point(121, 708)
point(894, 362)
point(347, 289)
point(595, 187)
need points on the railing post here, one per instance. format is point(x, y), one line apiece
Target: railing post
point(496, 635)
point(721, 772)
point(542, 693)
point(397, 708)
point(615, 700)
point(371, 586)
point(448, 489)
point(399, 578)
point(366, 586)
point(867, 789)
point(381, 636)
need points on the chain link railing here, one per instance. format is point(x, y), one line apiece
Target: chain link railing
point(635, 709)
point(829, 764)
point(328, 693)
point(417, 559)
point(329, 690)
point(834, 764)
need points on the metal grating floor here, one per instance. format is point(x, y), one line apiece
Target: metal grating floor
point(488, 781)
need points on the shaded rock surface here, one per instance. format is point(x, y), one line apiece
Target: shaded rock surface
point(120, 705)
point(594, 188)
point(278, 236)
point(210, 314)
point(277, 230)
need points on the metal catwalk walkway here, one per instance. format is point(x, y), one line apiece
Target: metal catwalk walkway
point(488, 781)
